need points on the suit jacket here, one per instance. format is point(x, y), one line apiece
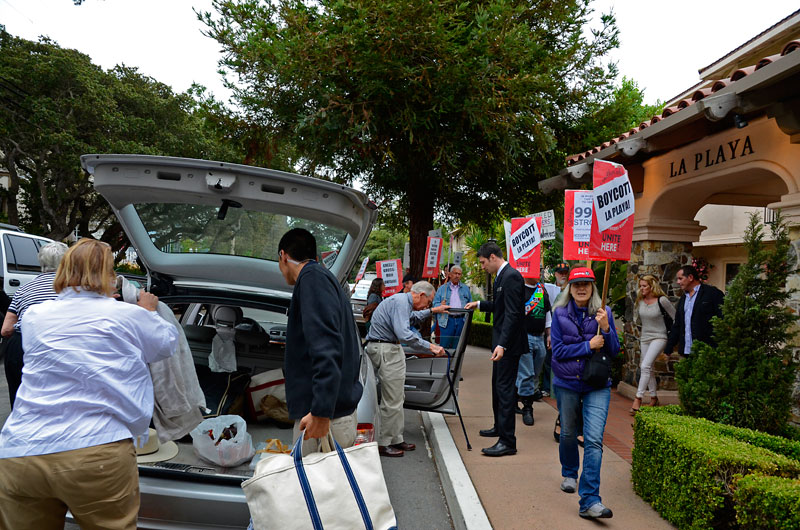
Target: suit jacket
point(708, 305)
point(508, 311)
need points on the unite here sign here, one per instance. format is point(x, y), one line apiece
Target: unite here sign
point(526, 248)
point(577, 224)
point(389, 270)
point(362, 270)
point(433, 255)
point(612, 223)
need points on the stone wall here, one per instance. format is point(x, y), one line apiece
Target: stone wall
point(662, 259)
point(793, 282)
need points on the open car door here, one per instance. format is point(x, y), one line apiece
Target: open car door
point(432, 382)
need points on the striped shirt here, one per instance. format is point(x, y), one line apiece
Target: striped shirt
point(36, 291)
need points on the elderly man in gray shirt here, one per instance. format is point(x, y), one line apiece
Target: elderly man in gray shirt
point(390, 326)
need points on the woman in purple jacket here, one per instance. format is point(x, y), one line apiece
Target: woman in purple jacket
point(573, 334)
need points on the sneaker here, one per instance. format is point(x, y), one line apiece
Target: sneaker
point(569, 485)
point(545, 393)
point(596, 511)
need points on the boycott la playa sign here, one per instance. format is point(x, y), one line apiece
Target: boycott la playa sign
point(578, 209)
point(525, 246)
point(433, 256)
point(612, 220)
point(389, 270)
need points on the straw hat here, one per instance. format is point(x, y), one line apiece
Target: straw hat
point(152, 451)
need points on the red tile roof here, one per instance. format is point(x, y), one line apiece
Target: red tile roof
point(715, 86)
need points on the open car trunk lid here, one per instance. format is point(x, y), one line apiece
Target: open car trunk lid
point(199, 222)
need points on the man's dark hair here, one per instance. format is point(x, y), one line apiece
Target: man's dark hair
point(299, 244)
point(689, 270)
point(409, 279)
point(487, 249)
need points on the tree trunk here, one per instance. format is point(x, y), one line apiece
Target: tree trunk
point(420, 214)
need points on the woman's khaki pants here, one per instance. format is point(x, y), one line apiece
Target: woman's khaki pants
point(99, 485)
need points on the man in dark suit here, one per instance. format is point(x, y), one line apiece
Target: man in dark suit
point(698, 305)
point(509, 342)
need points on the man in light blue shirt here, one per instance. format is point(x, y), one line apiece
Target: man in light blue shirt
point(454, 294)
point(390, 327)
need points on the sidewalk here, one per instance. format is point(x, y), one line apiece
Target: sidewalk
point(522, 491)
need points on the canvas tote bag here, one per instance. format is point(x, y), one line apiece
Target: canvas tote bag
point(343, 489)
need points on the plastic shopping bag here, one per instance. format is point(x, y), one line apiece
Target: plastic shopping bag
point(223, 440)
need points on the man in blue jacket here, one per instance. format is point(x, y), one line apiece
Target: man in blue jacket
point(322, 358)
point(452, 293)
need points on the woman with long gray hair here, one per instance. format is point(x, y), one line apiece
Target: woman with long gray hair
point(38, 290)
point(580, 326)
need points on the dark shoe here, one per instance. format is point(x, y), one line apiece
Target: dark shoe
point(537, 396)
point(489, 433)
point(518, 410)
point(527, 415)
point(388, 450)
point(404, 446)
point(580, 440)
point(499, 449)
point(596, 511)
point(557, 430)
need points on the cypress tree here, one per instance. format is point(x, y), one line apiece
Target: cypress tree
point(746, 380)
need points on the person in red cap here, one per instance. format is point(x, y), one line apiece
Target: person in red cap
point(577, 316)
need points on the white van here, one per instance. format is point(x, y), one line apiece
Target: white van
point(19, 255)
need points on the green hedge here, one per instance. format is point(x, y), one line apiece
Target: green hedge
point(686, 467)
point(480, 334)
point(768, 502)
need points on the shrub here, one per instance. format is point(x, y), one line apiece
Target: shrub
point(685, 467)
point(480, 334)
point(768, 502)
point(747, 379)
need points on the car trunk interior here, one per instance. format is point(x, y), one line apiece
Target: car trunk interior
point(259, 341)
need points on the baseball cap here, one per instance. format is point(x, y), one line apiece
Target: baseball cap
point(562, 267)
point(581, 274)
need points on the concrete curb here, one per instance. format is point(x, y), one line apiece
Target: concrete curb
point(465, 506)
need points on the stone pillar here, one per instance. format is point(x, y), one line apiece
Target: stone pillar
point(662, 259)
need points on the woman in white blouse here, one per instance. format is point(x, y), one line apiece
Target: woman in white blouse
point(85, 392)
point(652, 305)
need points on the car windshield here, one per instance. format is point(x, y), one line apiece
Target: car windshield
point(190, 228)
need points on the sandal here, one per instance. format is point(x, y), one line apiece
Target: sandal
point(635, 407)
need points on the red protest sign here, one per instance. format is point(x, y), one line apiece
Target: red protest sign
point(362, 270)
point(613, 211)
point(389, 270)
point(577, 224)
point(433, 256)
point(525, 246)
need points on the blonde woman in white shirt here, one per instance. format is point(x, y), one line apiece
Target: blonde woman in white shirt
point(85, 393)
point(651, 305)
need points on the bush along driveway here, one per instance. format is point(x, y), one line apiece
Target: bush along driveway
point(699, 474)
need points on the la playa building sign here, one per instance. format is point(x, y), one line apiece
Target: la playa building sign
point(713, 156)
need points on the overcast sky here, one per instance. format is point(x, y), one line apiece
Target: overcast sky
point(663, 43)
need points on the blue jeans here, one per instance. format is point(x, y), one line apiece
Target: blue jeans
point(593, 406)
point(530, 366)
point(451, 333)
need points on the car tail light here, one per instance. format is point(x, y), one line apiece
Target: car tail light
point(365, 432)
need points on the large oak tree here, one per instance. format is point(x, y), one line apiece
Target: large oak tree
point(56, 105)
point(443, 107)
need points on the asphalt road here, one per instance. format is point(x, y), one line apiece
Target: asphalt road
point(413, 482)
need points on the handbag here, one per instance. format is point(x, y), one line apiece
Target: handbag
point(343, 489)
point(597, 369)
point(667, 319)
point(368, 310)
